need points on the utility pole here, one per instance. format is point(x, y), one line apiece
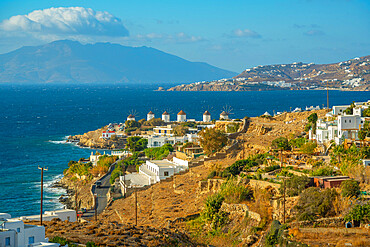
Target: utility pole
point(135, 207)
point(76, 203)
point(95, 199)
point(42, 189)
point(284, 202)
point(327, 95)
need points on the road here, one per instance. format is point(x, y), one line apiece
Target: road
point(101, 200)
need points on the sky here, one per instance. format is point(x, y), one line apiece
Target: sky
point(229, 34)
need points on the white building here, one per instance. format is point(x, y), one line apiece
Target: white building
point(224, 115)
point(15, 233)
point(151, 172)
point(165, 117)
point(343, 127)
point(206, 116)
point(63, 214)
point(149, 116)
point(366, 162)
point(160, 140)
point(181, 116)
point(163, 130)
point(106, 134)
point(131, 117)
point(157, 170)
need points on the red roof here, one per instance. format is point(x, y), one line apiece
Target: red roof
point(206, 113)
point(150, 112)
point(181, 113)
point(111, 131)
point(165, 113)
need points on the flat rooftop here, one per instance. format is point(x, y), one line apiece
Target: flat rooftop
point(162, 163)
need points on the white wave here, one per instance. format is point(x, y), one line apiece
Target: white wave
point(58, 142)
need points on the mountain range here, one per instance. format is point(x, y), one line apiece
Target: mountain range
point(68, 61)
point(353, 74)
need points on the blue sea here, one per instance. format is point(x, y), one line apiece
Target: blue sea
point(35, 120)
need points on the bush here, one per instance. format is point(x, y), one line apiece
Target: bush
point(232, 192)
point(136, 143)
point(350, 188)
point(159, 152)
point(295, 185)
point(211, 212)
point(314, 203)
point(271, 168)
point(359, 213)
point(239, 166)
point(323, 171)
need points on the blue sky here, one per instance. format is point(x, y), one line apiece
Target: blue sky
point(234, 35)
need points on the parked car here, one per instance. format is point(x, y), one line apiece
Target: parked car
point(98, 184)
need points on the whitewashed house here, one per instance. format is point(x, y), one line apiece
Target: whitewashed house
point(149, 116)
point(15, 233)
point(343, 127)
point(106, 134)
point(206, 116)
point(151, 172)
point(165, 117)
point(63, 214)
point(181, 116)
point(157, 170)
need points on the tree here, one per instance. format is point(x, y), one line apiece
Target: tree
point(212, 140)
point(350, 188)
point(314, 203)
point(132, 124)
point(136, 143)
point(296, 184)
point(312, 119)
point(308, 147)
point(359, 213)
point(180, 130)
point(349, 110)
point(281, 144)
point(366, 112)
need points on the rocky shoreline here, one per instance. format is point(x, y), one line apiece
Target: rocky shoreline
point(68, 199)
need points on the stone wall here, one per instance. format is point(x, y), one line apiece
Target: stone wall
point(211, 185)
point(325, 222)
point(240, 210)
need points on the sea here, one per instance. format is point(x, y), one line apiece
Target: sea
point(35, 121)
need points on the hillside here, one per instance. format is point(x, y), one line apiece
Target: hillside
point(353, 74)
point(71, 62)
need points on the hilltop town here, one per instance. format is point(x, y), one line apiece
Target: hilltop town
point(299, 178)
point(350, 75)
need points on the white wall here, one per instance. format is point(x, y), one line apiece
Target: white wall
point(8, 234)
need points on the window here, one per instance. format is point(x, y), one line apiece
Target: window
point(345, 121)
point(31, 240)
point(7, 241)
point(349, 120)
point(166, 174)
point(18, 229)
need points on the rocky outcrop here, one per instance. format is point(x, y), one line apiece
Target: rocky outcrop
point(92, 139)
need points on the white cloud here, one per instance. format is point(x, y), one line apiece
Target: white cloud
point(246, 33)
point(66, 21)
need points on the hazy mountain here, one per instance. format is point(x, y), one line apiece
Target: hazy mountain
point(71, 62)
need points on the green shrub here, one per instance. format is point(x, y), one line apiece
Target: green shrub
point(350, 188)
point(212, 213)
point(359, 213)
point(159, 152)
point(232, 192)
point(314, 203)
